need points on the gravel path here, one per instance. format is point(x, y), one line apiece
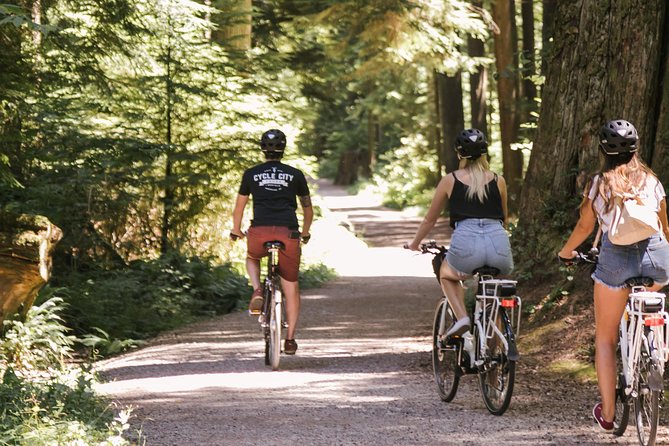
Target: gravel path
point(362, 374)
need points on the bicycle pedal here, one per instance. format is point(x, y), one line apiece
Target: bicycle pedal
point(255, 313)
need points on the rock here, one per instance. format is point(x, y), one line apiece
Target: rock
point(26, 244)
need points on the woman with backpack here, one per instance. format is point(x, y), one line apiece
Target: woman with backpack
point(623, 175)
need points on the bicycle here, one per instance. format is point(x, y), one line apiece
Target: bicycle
point(488, 348)
point(272, 318)
point(642, 354)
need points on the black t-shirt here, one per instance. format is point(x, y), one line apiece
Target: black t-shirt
point(462, 207)
point(274, 187)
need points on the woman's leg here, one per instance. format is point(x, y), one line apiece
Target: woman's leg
point(609, 307)
point(452, 288)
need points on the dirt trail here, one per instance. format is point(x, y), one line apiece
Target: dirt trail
point(362, 374)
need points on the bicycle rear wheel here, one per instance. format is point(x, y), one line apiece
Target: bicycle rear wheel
point(622, 416)
point(497, 375)
point(647, 402)
point(445, 355)
point(275, 326)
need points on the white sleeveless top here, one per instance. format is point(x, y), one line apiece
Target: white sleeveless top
point(651, 195)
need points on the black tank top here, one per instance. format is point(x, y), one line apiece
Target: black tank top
point(462, 207)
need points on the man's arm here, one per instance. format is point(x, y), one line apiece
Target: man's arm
point(237, 215)
point(308, 212)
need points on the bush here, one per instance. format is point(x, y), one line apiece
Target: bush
point(43, 400)
point(148, 297)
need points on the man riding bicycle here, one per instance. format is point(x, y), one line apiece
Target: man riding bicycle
point(274, 187)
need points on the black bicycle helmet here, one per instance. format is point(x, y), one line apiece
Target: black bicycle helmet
point(273, 141)
point(618, 136)
point(471, 144)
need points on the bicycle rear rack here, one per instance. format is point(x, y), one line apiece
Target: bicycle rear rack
point(647, 307)
point(501, 292)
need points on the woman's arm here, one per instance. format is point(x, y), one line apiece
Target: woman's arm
point(441, 194)
point(663, 218)
point(501, 185)
point(584, 226)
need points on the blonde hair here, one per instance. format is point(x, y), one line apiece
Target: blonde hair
point(478, 181)
point(622, 175)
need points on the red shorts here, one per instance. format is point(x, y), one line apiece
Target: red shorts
point(289, 258)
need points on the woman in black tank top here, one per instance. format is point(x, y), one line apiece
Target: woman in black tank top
point(478, 210)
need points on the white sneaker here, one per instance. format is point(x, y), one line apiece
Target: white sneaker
point(460, 327)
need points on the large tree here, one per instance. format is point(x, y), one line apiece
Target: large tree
point(506, 62)
point(606, 62)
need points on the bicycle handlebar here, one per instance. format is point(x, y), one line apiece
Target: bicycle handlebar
point(581, 257)
point(430, 247)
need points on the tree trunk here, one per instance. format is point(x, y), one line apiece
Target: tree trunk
point(657, 153)
point(452, 117)
point(507, 92)
point(605, 64)
point(234, 24)
point(347, 171)
point(436, 140)
point(478, 84)
point(373, 143)
point(529, 67)
point(548, 21)
point(168, 193)
point(26, 244)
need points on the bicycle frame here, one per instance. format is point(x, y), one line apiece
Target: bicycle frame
point(485, 316)
point(487, 310)
point(633, 324)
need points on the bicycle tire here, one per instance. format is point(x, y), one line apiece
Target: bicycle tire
point(275, 328)
point(622, 415)
point(267, 293)
point(445, 357)
point(647, 401)
point(497, 376)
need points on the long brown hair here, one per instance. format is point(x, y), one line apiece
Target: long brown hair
point(622, 174)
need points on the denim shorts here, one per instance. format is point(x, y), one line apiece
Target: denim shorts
point(478, 242)
point(617, 263)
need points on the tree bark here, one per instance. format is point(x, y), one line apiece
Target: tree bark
point(436, 140)
point(605, 64)
point(506, 44)
point(452, 118)
point(478, 84)
point(373, 143)
point(547, 30)
point(234, 24)
point(26, 244)
point(529, 69)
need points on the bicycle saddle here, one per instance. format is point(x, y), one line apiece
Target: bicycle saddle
point(639, 281)
point(274, 243)
point(486, 270)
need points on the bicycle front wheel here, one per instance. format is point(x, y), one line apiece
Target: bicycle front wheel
point(275, 326)
point(498, 372)
point(445, 355)
point(647, 402)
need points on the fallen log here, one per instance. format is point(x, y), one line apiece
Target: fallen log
point(26, 245)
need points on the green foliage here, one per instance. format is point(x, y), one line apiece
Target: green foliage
point(40, 342)
point(44, 401)
point(406, 176)
point(312, 276)
point(147, 297)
